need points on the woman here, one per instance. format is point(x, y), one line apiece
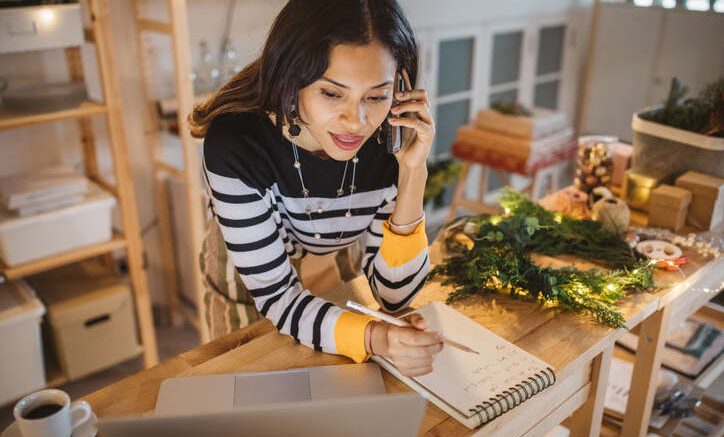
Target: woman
point(295, 158)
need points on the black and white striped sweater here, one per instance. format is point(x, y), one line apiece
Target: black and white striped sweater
point(257, 200)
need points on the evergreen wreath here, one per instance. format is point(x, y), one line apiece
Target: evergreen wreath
point(493, 253)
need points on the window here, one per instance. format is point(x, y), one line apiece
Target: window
point(549, 64)
point(505, 65)
point(455, 72)
point(697, 5)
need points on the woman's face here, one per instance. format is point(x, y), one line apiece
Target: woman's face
point(348, 103)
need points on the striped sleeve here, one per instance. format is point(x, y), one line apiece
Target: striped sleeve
point(396, 266)
point(250, 226)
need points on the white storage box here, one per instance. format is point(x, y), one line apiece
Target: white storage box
point(91, 317)
point(21, 360)
point(40, 27)
point(24, 239)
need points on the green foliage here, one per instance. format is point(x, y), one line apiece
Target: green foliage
point(440, 175)
point(701, 114)
point(511, 108)
point(500, 260)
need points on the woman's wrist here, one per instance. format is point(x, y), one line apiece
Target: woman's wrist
point(410, 192)
point(376, 338)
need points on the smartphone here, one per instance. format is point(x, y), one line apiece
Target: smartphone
point(394, 133)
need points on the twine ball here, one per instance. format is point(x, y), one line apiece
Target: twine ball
point(613, 214)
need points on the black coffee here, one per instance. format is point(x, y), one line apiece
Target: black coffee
point(42, 411)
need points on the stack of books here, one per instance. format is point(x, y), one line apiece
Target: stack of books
point(518, 144)
point(41, 191)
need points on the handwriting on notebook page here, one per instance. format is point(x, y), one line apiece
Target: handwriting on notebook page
point(507, 369)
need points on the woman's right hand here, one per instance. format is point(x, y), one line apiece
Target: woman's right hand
point(410, 349)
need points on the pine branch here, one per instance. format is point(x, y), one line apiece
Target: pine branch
point(497, 257)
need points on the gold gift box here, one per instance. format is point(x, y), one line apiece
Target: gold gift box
point(637, 187)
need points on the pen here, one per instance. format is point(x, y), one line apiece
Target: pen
point(401, 323)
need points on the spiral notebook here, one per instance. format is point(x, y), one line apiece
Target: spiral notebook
point(475, 389)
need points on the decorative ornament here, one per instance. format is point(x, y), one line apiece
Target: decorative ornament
point(706, 244)
point(611, 212)
point(594, 164)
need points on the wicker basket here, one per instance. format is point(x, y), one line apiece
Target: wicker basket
point(664, 149)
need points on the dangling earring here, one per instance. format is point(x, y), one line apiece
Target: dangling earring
point(379, 135)
point(294, 129)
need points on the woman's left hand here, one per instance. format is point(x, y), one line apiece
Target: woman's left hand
point(413, 155)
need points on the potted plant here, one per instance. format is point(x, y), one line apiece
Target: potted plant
point(681, 134)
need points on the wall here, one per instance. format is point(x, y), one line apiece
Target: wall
point(636, 53)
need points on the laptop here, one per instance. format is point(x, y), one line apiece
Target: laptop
point(348, 400)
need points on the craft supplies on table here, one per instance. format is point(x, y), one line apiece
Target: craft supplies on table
point(594, 164)
point(21, 360)
point(621, 154)
point(707, 205)
point(637, 187)
point(91, 317)
point(668, 207)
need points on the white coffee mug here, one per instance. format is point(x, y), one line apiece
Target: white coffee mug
point(57, 416)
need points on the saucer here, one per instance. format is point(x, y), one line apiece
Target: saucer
point(89, 430)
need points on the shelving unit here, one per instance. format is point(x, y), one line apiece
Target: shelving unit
point(130, 240)
point(176, 28)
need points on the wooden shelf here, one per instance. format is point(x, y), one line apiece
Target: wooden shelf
point(54, 377)
point(12, 120)
point(51, 262)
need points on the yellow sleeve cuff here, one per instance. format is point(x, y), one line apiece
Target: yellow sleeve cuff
point(398, 249)
point(349, 335)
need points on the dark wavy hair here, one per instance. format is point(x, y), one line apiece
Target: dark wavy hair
point(296, 54)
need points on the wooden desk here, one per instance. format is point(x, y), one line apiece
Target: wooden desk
point(579, 349)
point(675, 305)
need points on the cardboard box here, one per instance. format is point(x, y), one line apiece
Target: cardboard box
point(668, 207)
point(621, 154)
point(707, 205)
point(637, 188)
point(91, 317)
point(21, 360)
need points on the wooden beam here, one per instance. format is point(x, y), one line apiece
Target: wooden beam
point(645, 376)
point(51, 262)
point(147, 25)
point(126, 195)
point(586, 421)
point(168, 168)
point(178, 16)
point(88, 35)
point(10, 120)
point(104, 184)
